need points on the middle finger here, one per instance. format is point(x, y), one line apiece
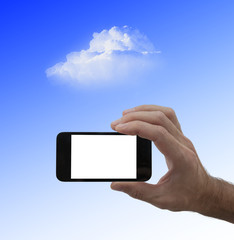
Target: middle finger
point(156, 118)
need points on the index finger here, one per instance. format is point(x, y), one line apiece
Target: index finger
point(169, 112)
point(171, 148)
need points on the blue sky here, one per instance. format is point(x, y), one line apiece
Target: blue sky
point(195, 76)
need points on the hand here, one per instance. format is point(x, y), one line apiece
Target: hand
point(184, 185)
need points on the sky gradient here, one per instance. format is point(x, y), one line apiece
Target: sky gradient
point(194, 76)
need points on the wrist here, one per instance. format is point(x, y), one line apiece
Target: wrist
point(210, 196)
point(216, 200)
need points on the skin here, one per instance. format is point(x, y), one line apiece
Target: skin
point(186, 186)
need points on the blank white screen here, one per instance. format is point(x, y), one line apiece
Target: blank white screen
point(103, 156)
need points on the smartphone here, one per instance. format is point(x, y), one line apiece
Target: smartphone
point(102, 156)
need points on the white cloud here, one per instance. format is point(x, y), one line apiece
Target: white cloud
point(114, 55)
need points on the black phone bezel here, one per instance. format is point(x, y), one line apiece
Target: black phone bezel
point(63, 158)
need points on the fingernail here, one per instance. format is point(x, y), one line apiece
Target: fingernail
point(129, 110)
point(116, 121)
point(122, 125)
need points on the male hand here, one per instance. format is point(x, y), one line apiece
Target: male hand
point(185, 184)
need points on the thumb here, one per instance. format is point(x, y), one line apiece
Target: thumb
point(139, 190)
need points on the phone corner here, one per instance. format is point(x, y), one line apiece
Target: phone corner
point(149, 176)
point(59, 135)
point(59, 178)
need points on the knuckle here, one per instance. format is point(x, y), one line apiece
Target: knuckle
point(162, 203)
point(171, 112)
point(159, 116)
point(162, 206)
point(191, 155)
point(125, 189)
point(137, 127)
point(128, 117)
point(137, 195)
point(189, 159)
point(160, 132)
point(189, 143)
